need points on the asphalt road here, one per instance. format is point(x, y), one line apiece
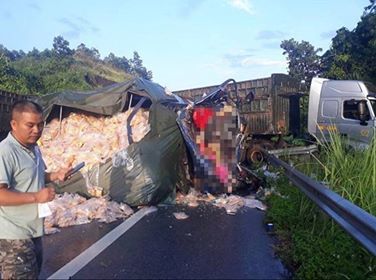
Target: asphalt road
point(209, 244)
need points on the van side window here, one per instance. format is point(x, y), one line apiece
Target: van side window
point(330, 108)
point(350, 110)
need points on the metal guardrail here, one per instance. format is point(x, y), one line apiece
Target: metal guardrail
point(360, 224)
point(294, 151)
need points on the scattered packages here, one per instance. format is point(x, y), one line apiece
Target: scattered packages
point(73, 209)
point(90, 139)
point(231, 203)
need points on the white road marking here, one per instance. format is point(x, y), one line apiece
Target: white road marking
point(94, 250)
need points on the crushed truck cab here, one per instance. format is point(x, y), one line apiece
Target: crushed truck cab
point(347, 107)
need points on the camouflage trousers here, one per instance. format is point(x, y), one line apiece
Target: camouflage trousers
point(20, 258)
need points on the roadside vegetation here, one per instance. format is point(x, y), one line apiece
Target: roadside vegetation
point(311, 245)
point(62, 68)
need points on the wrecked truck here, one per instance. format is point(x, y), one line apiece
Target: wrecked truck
point(272, 112)
point(183, 144)
point(145, 171)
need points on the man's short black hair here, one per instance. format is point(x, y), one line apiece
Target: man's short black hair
point(26, 106)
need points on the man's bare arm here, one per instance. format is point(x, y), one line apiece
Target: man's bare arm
point(13, 198)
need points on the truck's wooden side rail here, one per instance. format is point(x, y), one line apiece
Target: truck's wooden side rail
point(268, 113)
point(360, 224)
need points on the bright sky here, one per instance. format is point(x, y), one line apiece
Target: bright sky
point(185, 43)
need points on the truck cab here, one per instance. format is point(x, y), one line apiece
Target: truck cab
point(344, 106)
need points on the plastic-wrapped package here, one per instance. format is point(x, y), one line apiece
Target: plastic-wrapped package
point(231, 203)
point(85, 138)
point(73, 209)
point(180, 215)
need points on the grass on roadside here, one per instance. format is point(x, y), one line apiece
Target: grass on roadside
point(311, 245)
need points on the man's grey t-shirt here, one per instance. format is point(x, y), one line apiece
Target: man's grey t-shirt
point(23, 170)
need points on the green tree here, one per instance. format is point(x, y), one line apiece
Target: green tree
point(61, 47)
point(119, 62)
point(352, 54)
point(138, 69)
point(11, 55)
point(303, 59)
point(371, 8)
point(10, 79)
point(337, 62)
point(133, 66)
point(85, 51)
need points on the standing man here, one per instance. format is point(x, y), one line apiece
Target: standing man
point(22, 190)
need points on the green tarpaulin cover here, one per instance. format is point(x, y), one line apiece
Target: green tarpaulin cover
point(145, 173)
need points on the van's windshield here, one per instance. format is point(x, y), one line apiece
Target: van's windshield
point(371, 88)
point(373, 103)
point(371, 95)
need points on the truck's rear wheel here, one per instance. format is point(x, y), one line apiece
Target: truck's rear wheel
point(254, 155)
